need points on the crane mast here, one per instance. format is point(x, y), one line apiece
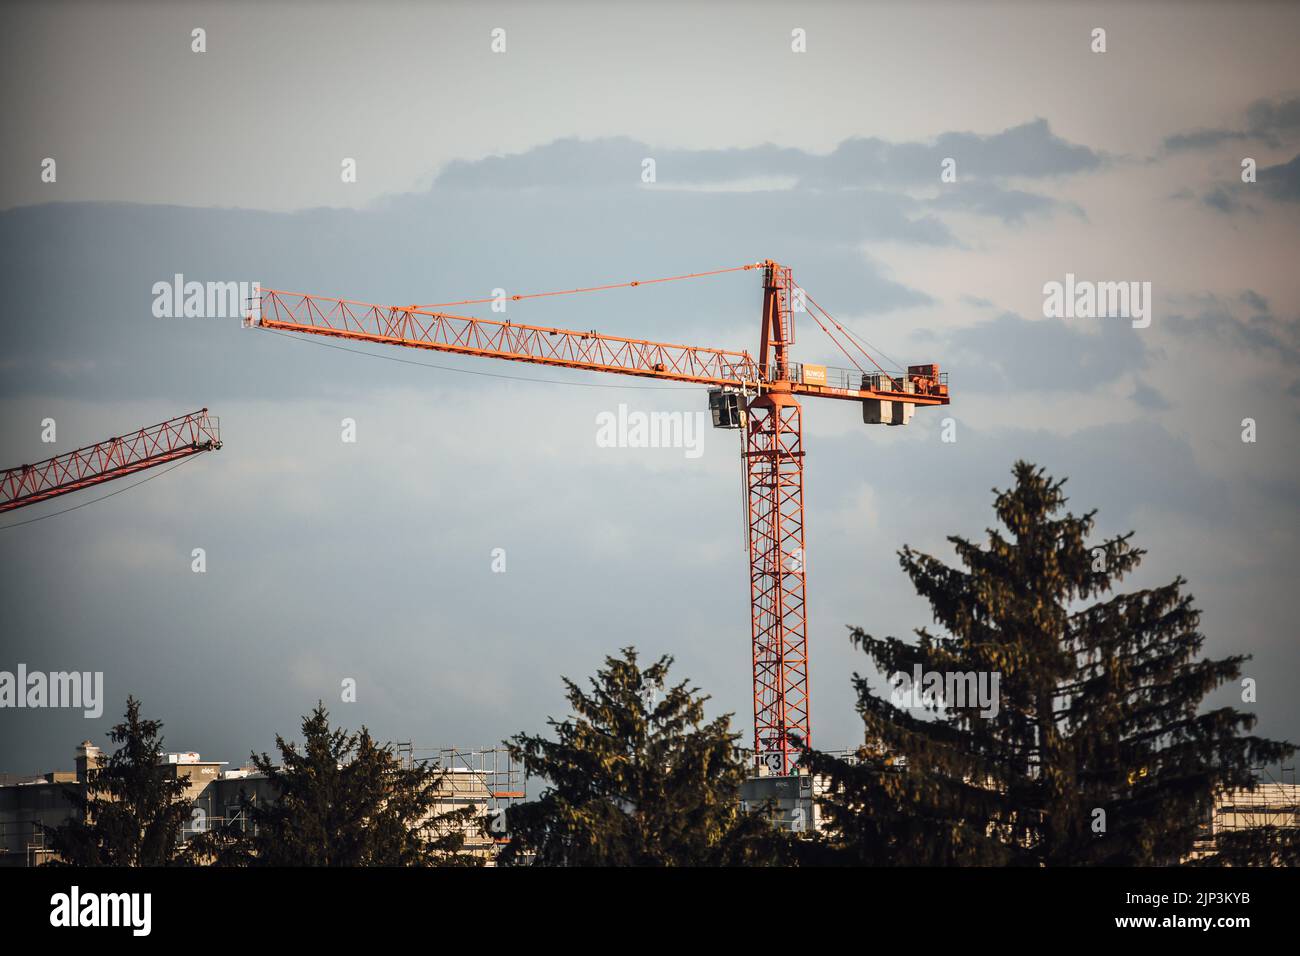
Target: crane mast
point(773, 454)
point(759, 396)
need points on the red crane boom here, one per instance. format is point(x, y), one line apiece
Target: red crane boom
point(112, 458)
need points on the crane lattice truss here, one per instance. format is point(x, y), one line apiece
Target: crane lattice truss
point(770, 387)
point(112, 458)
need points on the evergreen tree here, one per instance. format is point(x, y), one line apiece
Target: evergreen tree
point(130, 811)
point(636, 777)
point(342, 800)
point(1098, 751)
point(1255, 846)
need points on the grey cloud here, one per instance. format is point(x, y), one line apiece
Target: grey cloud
point(1254, 300)
point(1030, 150)
point(1201, 139)
point(1014, 353)
point(1268, 118)
point(1282, 182)
point(614, 162)
point(1271, 121)
point(1012, 206)
point(1222, 200)
point(1246, 323)
point(1149, 398)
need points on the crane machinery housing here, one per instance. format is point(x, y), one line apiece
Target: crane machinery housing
point(758, 395)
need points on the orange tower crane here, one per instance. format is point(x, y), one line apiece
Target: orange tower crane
point(112, 458)
point(760, 395)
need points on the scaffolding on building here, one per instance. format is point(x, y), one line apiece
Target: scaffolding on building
point(1274, 802)
point(487, 780)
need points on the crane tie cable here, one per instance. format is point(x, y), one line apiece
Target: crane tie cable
point(847, 334)
point(837, 343)
point(689, 275)
point(594, 288)
point(850, 335)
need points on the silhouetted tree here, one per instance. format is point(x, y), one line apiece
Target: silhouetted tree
point(1098, 750)
point(342, 800)
point(1255, 846)
point(131, 810)
point(636, 777)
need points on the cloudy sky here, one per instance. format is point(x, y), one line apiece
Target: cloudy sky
point(522, 170)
